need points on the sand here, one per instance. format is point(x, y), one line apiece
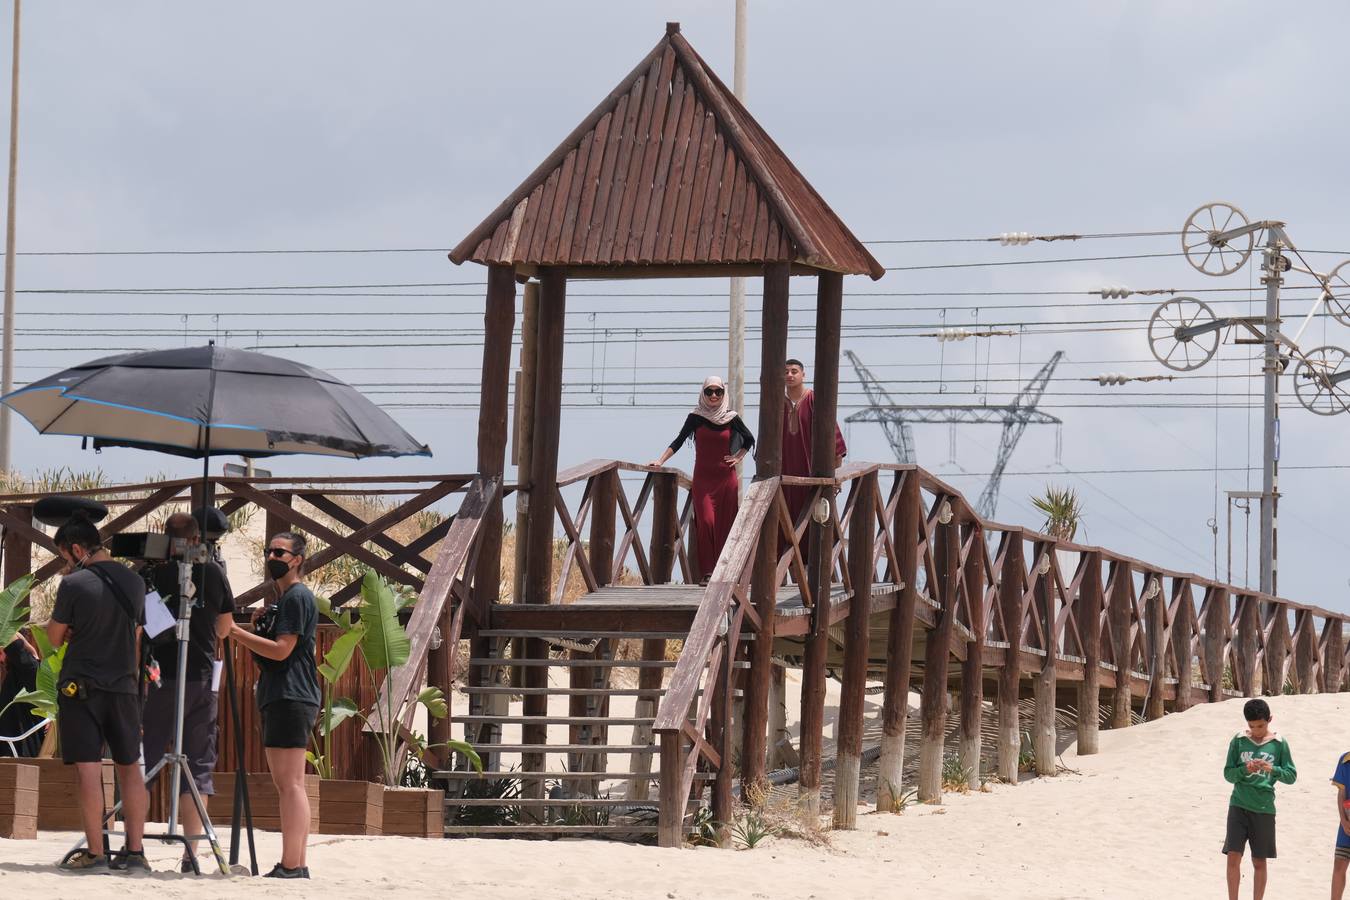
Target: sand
point(1144, 818)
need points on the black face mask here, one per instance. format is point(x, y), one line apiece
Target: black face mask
point(277, 569)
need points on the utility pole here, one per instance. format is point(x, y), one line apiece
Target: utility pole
point(7, 354)
point(736, 326)
point(1273, 265)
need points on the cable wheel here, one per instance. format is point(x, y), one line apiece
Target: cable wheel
point(1183, 354)
point(1313, 384)
point(1337, 291)
point(1201, 244)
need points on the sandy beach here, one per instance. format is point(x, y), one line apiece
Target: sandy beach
point(1142, 818)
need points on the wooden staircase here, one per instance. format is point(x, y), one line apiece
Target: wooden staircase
point(559, 760)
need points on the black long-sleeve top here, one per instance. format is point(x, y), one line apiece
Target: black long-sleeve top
point(741, 438)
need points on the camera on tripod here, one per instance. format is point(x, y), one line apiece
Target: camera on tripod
point(153, 547)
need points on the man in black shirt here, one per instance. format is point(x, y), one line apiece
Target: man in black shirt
point(211, 617)
point(100, 607)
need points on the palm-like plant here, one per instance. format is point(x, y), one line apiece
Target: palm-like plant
point(1063, 512)
point(13, 611)
point(383, 643)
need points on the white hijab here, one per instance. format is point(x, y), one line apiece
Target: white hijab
point(717, 412)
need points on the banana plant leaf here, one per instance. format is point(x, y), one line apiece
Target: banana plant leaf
point(13, 612)
point(343, 708)
point(385, 644)
point(339, 656)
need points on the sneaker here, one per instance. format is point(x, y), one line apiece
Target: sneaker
point(280, 871)
point(85, 863)
point(185, 867)
point(133, 862)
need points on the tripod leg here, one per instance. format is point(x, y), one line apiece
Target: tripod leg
point(241, 798)
point(207, 829)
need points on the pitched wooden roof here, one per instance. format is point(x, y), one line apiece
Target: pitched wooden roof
point(669, 170)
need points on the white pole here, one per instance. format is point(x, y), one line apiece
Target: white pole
point(736, 328)
point(7, 356)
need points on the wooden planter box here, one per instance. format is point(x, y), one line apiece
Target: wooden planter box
point(350, 807)
point(59, 793)
point(262, 796)
point(414, 812)
point(18, 802)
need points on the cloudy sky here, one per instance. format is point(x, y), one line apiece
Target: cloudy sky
point(399, 125)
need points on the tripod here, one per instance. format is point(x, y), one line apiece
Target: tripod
point(176, 763)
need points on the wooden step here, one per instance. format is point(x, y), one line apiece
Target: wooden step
point(567, 748)
point(552, 720)
point(518, 775)
point(580, 802)
point(583, 635)
point(563, 662)
point(523, 830)
point(562, 691)
point(591, 618)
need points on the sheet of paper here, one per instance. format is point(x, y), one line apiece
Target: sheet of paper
point(157, 615)
point(216, 668)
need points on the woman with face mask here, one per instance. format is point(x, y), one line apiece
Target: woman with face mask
point(288, 691)
point(721, 441)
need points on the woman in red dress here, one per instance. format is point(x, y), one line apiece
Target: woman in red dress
point(721, 441)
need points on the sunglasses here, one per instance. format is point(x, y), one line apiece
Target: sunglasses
point(713, 392)
point(278, 552)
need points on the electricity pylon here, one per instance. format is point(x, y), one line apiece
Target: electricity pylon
point(896, 419)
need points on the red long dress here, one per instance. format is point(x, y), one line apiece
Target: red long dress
point(716, 494)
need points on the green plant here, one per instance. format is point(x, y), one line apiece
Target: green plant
point(955, 777)
point(1063, 512)
point(336, 662)
point(507, 790)
point(1026, 756)
point(749, 829)
point(384, 646)
point(584, 815)
point(900, 799)
point(704, 828)
point(43, 697)
point(13, 612)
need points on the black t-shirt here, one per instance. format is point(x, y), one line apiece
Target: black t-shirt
point(213, 591)
point(297, 676)
point(102, 643)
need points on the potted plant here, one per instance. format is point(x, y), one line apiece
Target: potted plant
point(384, 646)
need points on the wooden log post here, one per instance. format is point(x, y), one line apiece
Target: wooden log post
point(900, 645)
point(829, 309)
point(1305, 651)
point(542, 500)
point(1011, 578)
point(499, 324)
point(1278, 641)
point(17, 549)
point(1155, 624)
point(1215, 639)
point(1043, 725)
point(853, 699)
point(524, 451)
point(972, 670)
point(661, 564)
point(600, 553)
point(764, 576)
point(1183, 603)
point(274, 522)
point(1119, 611)
point(1248, 636)
point(1089, 616)
point(933, 698)
point(1333, 651)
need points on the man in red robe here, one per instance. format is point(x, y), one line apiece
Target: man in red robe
point(798, 416)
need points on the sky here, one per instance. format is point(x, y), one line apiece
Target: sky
point(152, 126)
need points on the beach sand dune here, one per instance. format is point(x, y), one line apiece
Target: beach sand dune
point(1144, 818)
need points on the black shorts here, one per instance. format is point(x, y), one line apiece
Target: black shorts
point(199, 729)
point(287, 724)
point(1254, 828)
point(101, 718)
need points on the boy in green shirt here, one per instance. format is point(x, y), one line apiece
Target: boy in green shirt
point(1257, 758)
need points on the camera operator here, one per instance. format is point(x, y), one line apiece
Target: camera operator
point(288, 691)
point(100, 607)
point(211, 617)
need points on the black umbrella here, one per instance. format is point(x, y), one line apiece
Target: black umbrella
point(211, 401)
